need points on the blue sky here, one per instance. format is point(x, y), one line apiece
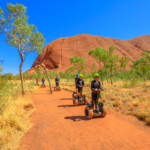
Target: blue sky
point(121, 19)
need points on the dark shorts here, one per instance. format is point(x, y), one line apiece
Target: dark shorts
point(79, 89)
point(94, 96)
point(76, 86)
point(57, 84)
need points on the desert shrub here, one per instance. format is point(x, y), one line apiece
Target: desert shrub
point(133, 82)
point(3, 82)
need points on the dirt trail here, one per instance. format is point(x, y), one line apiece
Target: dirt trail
point(60, 126)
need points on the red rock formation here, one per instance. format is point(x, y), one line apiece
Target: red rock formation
point(81, 44)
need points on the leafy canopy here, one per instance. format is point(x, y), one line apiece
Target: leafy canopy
point(20, 34)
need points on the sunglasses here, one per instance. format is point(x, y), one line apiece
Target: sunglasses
point(96, 77)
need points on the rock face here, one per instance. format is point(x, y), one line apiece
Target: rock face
point(57, 53)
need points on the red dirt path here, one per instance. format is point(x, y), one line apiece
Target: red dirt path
point(57, 125)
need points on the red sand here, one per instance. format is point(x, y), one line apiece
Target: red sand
point(58, 125)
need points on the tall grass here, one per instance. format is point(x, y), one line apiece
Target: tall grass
point(14, 112)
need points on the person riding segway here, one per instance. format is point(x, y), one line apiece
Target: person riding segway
point(95, 108)
point(37, 80)
point(80, 98)
point(57, 84)
point(43, 82)
point(76, 79)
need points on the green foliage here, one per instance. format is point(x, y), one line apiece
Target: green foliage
point(111, 49)
point(3, 82)
point(39, 70)
point(79, 63)
point(9, 76)
point(34, 76)
point(62, 74)
point(133, 82)
point(40, 75)
point(25, 74)
point(52, 74)
point(17, 76)
point(19, 33)
point(1, 69)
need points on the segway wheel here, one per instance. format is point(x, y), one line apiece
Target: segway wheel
point(75, 101)
point(88, 112)
point(104, 112)
point(85, 100)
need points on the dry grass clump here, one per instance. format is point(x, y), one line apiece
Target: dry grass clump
point(136, 102)
point(113, 98)
point(117, 103)
point(14, 122)
point(134, 96)
point(103, 99)
point(147, 120)
point(141, 115)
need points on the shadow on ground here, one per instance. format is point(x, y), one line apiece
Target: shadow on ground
point(69, 105)
point(66, 99)
point(77, 118)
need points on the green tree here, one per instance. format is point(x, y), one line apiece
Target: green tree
point(39, 70)
point(79, 63)
point(61, 73)
point(100, 55)
point(124, 63)
point(19, 33)
point(110, 62)
point(34, 76)
point(9, 76)
point(25, 74)
point(17, 76)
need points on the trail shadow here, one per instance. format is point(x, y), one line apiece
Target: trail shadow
point(66, 99)
point(69, 105)
point(77, 118)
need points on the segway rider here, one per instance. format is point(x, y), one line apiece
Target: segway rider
point(96, 87)
point(37, 80)
point(80, 84)
point(57, 81)
point(76, 79)
point(43, 81)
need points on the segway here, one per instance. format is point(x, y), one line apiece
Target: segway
point(57, 88)
point(74, 94)
point(101, 110)
point(82, 99)
point(43, 85)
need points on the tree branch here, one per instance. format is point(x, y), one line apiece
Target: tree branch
point(9, 33)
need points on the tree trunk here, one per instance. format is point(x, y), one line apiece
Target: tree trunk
point(21, 77)
point(128, 75)
point(102, 79)
point(111, 76)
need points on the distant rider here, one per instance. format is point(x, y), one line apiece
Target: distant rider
point(76, 79)
point(80, 84)
point(95, 87)
point(43, 81)
point(37, 80)
point(57, 81)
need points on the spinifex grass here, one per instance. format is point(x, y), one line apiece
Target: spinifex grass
point(14, 112)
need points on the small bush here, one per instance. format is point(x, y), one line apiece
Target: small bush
point(133, 82)
point(147, 120)
point(3, 82)
point(142, 115)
